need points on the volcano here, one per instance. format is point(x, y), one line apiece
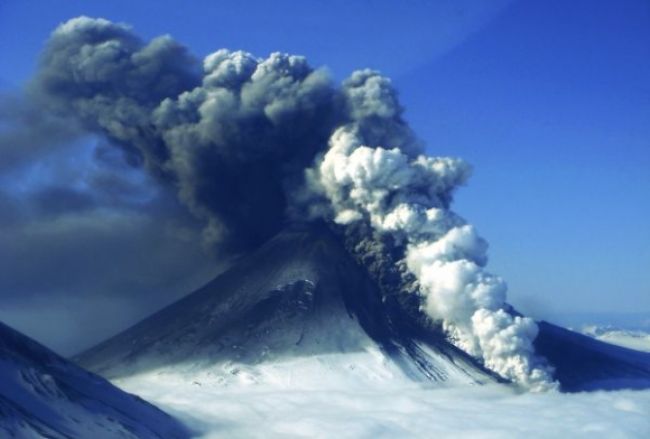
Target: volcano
point(300, 310)
point(44, 395)
point(299, 297)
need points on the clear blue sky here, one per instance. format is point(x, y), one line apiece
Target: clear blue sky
point(549, 101)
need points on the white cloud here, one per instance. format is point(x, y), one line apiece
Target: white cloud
point(403, 410)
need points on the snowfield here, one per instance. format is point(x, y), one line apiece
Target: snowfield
point(241, 408)
point(632, 339)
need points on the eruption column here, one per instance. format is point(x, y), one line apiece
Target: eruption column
point(234, 140)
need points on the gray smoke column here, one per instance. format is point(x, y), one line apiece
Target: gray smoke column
point(249, 143)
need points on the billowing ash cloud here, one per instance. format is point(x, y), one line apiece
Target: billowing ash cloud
point(248, 143)
point(231, 139)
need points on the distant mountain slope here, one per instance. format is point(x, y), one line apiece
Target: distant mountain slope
point(44, 395)
point(584, 363)
point(300, 297)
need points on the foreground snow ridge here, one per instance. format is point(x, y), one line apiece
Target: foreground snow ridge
point(45, 396)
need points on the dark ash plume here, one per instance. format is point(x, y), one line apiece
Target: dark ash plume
point(231, 138)
point(237, 139)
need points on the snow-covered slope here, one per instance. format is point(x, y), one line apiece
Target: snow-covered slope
point(44, 395)
point(298, 300)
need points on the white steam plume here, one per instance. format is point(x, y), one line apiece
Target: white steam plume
point(406, 195)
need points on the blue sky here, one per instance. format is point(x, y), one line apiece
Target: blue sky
point(548, 100)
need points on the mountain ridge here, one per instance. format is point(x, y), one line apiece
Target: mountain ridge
point(44, 395)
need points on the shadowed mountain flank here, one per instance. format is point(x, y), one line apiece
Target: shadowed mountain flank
point(44, 395)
